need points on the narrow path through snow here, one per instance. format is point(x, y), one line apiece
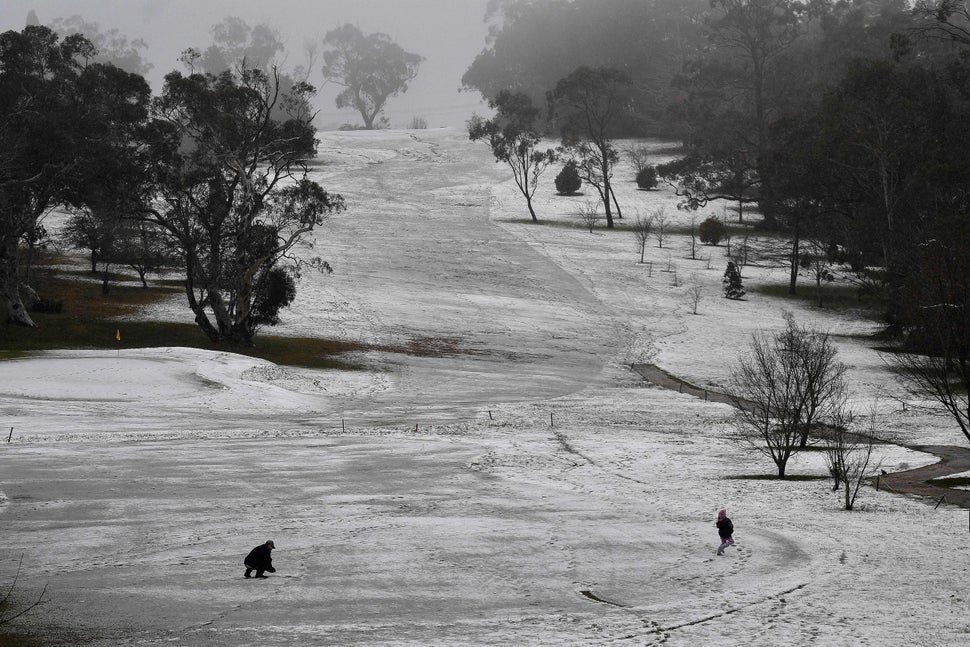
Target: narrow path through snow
point(953, 460)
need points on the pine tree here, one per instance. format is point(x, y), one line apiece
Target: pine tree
point(732, 282)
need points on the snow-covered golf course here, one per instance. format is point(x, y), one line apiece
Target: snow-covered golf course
point(520, 486)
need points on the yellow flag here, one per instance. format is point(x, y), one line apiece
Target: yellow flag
point(118, 335)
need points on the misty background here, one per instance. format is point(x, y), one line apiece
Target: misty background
point(447, 33)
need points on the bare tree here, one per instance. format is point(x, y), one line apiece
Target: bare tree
point(661, 227)
point(823, 375)
point(695, 292)
point(849, 455)
point(6, 597)
point(934, 308)
point(639, 156)
point(642, 229)
point(942, 377)
point(814, 261)
point(786, 383)
point(589, 212)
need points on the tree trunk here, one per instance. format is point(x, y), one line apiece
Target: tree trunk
point(532, 211)
point(619, 214)
point(606, 203)
point(105, 280)
point(607, 190)
point(10, 284)
point(202, 320)
point(792, 283)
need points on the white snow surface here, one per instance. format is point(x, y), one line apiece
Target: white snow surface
point(428, 500)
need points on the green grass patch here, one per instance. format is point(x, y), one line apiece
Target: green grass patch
point(56, 332)
point(835, 296)
point(561, 224)
point(81, 294)
point(91, 320)
point(774, 477)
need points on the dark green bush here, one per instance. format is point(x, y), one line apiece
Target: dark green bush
point(568, 180)
point(711, 231)
point(647, 177)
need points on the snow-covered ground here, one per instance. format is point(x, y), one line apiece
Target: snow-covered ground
point(428, 500)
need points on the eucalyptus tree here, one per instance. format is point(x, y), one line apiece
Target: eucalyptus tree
point(731, 100)
point(590, 106)
point(61, 116)
point(514, 137)
point(371, 68)
point(110, 45)
point(233, 192)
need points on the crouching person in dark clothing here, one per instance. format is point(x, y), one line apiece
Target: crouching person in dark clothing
point(260, 559)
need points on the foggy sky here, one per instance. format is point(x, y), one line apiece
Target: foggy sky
point(447, 33)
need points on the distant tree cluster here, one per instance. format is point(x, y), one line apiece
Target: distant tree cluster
point(209, 177)
point(371, 68)
point(840, 126)
point(535, 43)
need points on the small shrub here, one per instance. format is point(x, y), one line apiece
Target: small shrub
point(733, 287)
point(711, 231)
point(418, 123)
point(568, 180)
point(647, 177)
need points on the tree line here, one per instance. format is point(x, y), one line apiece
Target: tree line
point(210, 177)
point(843, 125)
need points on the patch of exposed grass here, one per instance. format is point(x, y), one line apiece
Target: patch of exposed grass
point(55, 332)
point(835, 296)
point(91, 320)
point(81, 293)
point(561, 224)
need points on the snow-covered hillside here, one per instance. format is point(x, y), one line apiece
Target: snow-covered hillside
point(428, 500)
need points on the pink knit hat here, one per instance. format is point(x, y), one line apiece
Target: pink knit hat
point(721, 514)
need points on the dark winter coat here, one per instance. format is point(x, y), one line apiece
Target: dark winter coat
point(724, 528)
point(260, 558)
